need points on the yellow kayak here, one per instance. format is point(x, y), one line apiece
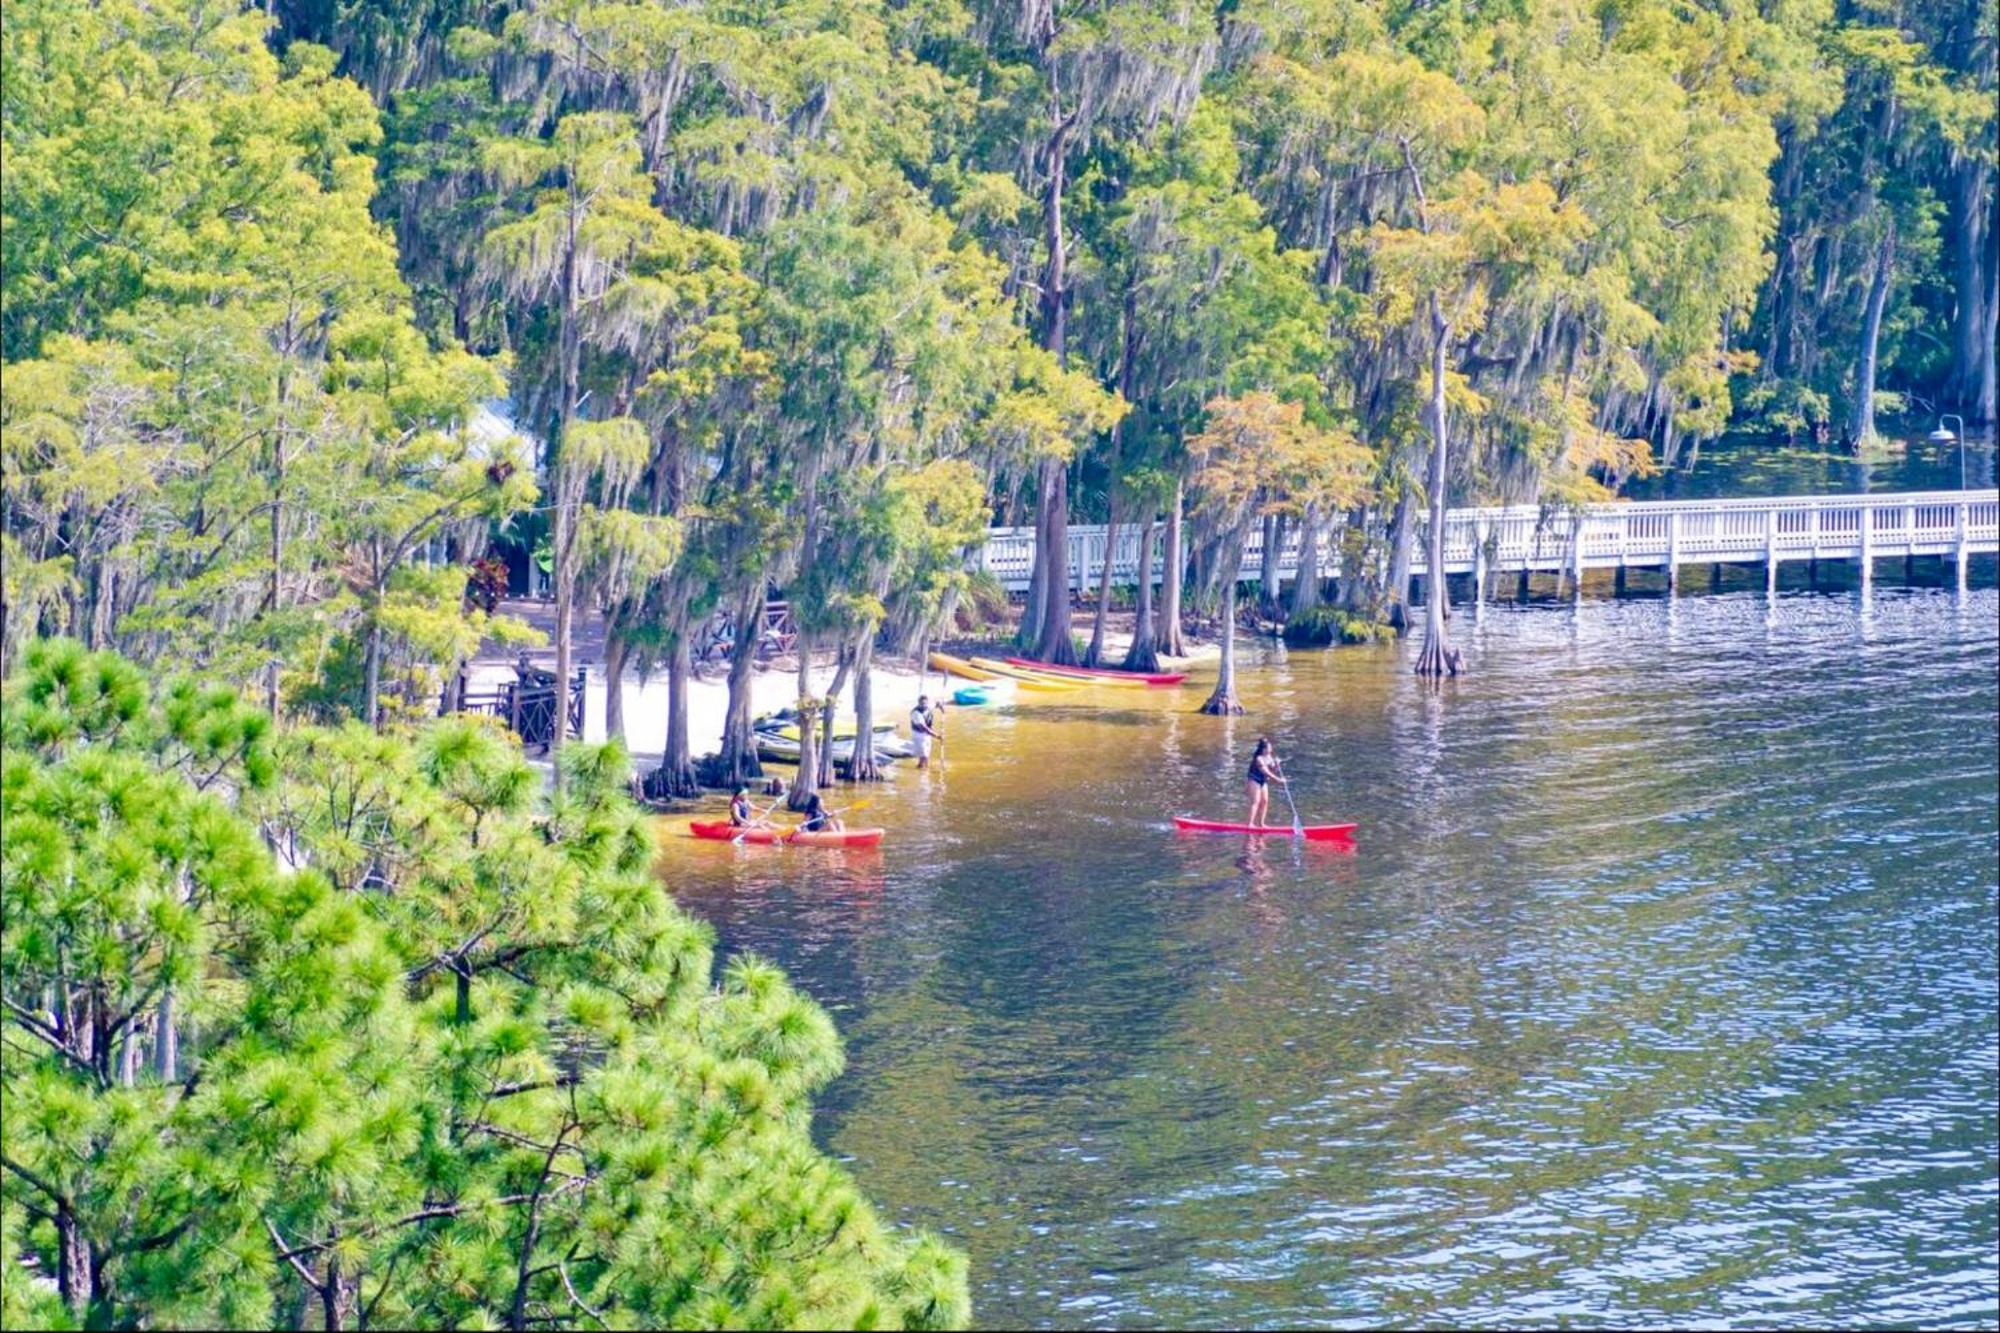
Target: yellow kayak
point(958, 666)
point(1027, 680)
point(1029, 673)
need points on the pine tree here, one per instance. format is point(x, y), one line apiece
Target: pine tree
point(465, 1064)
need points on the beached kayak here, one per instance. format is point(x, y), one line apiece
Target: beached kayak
point(790, 730)
point(974, 696)
point(721, 830)
point(1108, 673)
point(961, 668)
point(1313, 832)
point(785, 750)
point(1031, 677)
point(986, 669)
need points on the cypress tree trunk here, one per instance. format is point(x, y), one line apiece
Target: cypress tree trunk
point(1267, 572)
point(1972, 346)
point(1438, 657)
point(842, 670)
point(675, 777)
point(1173, 641)
point(1127, 356)
point(1050, 632)
point(738, 760)
point(1871, 333)
point(1030, 627)
point(1094, 655)
point(861, 766)
point(616, 651)
point(1144, 654)
point(562, 537)
point(1305, 584)
point(1351, 584)
point(1224, 700)
point(1053, 643)
point(807, 781)
point(1985, 413)
point(1397, 590)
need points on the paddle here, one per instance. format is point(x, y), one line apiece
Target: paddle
point(1298, 825)
point(858, 805)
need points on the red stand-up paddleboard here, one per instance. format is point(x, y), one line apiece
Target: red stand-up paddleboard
point(1311, 832)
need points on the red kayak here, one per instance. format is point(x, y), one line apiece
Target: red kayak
point(721, 830)
point(1150, 677)
point(1313, 832)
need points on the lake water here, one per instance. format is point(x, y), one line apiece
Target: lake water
point(1658, 985)
point(1745, 465)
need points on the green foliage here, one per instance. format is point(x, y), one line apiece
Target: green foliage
point(1892, 162)
point(466, 1065)
point(792, 293)
point(1322, 624)
point(224, 435)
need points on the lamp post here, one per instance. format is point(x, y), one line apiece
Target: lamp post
point(1943, 435)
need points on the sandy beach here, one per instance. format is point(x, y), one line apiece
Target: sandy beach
point(773, 685)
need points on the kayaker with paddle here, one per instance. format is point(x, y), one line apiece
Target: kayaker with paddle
point(1264, 770)
point(819, 819)
point(740, 813)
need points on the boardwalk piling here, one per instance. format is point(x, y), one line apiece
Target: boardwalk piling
point(1962, 551)
point(1576, 560)
point(1771, 553)
point(1673, 552)
point(1479, 569)
point(1867, 551)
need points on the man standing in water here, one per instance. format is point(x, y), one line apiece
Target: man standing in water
point(922, 730)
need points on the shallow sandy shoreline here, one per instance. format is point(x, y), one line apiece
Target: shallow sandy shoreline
point(897, 684)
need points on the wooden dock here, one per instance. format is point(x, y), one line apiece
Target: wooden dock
point(1653, 534)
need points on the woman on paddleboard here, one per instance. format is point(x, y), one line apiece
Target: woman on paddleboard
point(1264, 770)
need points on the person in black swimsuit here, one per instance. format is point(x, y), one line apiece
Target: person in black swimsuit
point(1264, 770)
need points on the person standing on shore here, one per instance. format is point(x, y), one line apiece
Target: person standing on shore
point(922, 731)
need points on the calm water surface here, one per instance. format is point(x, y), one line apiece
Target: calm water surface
point(1745, 465)
point(1660, 983)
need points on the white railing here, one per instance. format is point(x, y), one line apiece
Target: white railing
point(1649, 533)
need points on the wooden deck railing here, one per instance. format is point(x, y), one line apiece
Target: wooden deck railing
point(1635, 534)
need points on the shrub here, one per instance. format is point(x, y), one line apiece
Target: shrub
point(1322, 625)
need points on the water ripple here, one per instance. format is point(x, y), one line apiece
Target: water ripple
point(1660, 986)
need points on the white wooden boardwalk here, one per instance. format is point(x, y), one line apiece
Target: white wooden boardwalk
point(1651, 534)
